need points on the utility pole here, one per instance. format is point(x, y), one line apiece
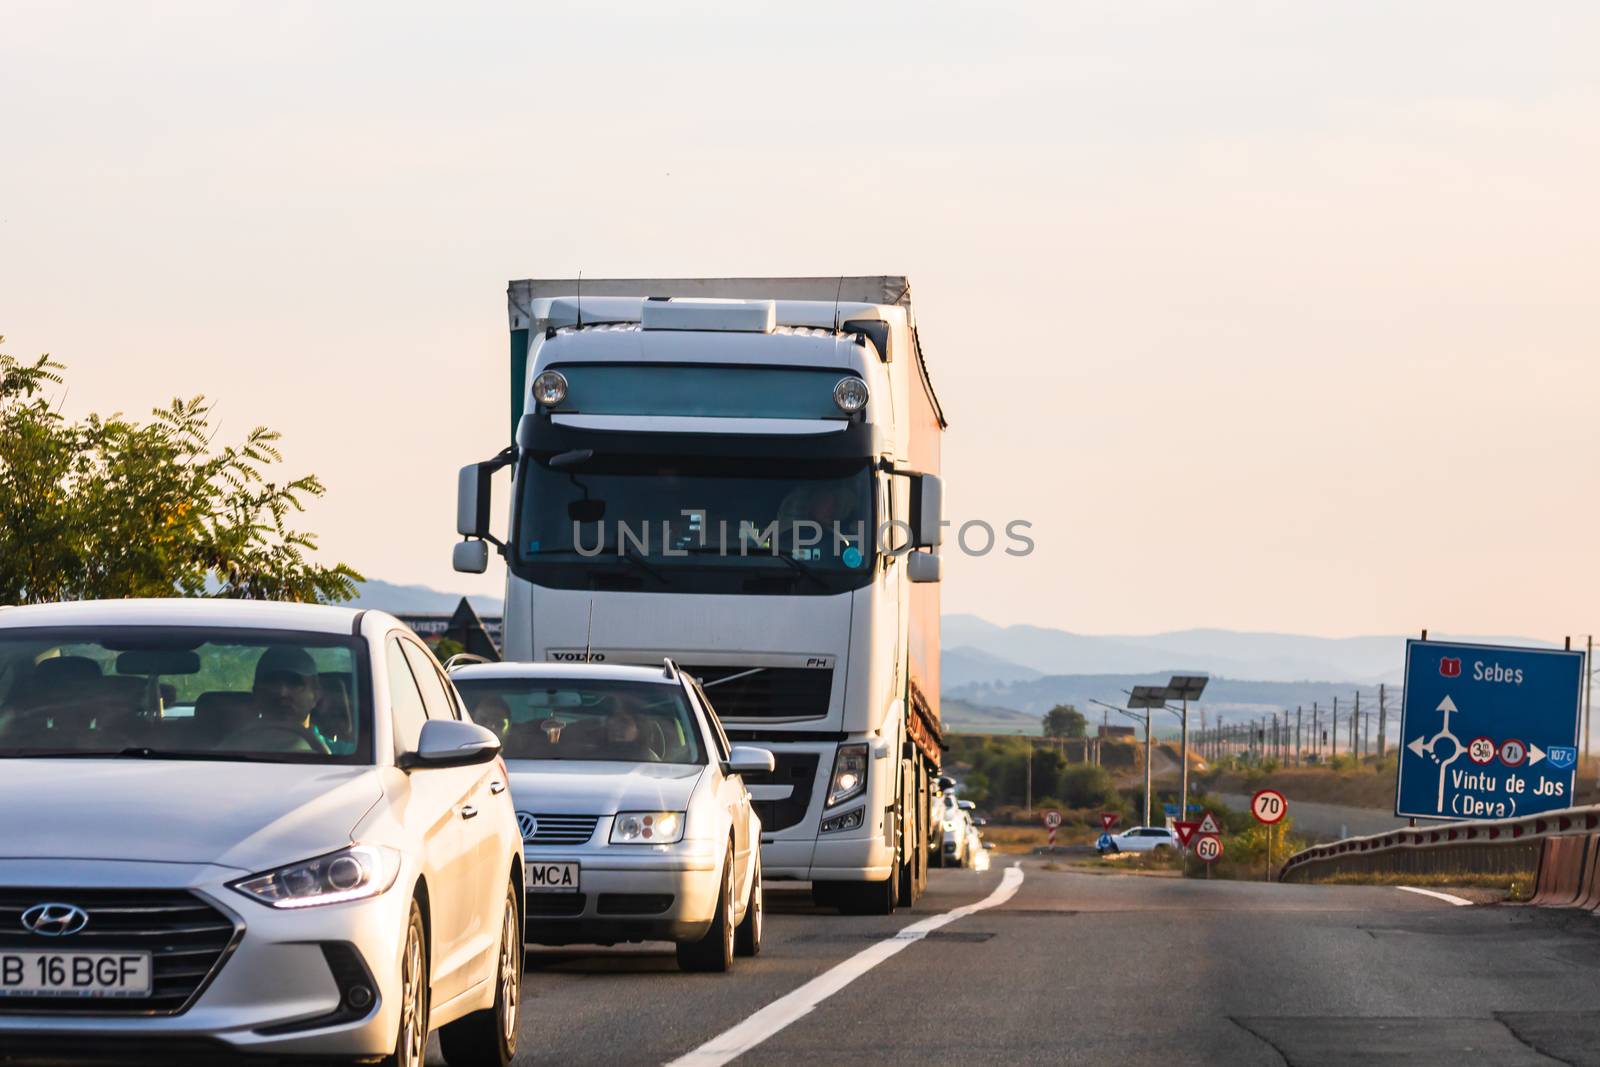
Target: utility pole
point(1588, 691)
point(1146, 767)
point(1030, 776)
point(1183, 790)
point(1299, 746)
point(1355, 727)
point(1316, 732)
point(1334, 732)
point(1383, 721)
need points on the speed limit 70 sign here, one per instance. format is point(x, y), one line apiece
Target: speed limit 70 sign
point(1268, 806)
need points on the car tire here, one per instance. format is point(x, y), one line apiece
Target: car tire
point(714, 952)
point(411, 1035)
point(747, 939)
point(870, 898)
point(488, 1038)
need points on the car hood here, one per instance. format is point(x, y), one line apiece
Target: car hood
point(583, 787)
point(245, 815)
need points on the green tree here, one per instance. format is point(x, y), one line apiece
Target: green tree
point(111, 508)
point(1064, 720)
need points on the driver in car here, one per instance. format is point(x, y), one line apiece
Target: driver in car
point(623, 740)
point(287, 689)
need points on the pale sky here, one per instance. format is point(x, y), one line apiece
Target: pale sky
point(1275, 316)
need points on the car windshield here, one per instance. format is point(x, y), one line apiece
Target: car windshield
point(183, 693)
point(615, 721)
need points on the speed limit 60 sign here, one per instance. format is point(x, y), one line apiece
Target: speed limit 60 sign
point(1268, 806)
point(1208, 847)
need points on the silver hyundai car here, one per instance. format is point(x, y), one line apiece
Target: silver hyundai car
point(635, 819)
point(248, 827)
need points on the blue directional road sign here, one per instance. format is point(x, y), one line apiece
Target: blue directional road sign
point(1486, 731)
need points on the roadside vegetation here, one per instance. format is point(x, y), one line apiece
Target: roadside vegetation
point(108, 507)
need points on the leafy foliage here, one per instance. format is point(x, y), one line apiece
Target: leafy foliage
point(111, 508)
point(1064, 720)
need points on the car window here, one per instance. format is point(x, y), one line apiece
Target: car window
point(434, 697)
point(192, 692)
point(571, 718)
point(404, 699)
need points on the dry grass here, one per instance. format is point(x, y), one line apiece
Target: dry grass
point(1013, 839)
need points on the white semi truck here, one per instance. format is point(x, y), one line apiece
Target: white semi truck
point(742, 475)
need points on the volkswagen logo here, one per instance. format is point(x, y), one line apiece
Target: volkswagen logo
point(54, 920)
point(527, 824)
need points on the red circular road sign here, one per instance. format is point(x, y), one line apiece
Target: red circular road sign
point(1480, 750)
point(1208, 847)
point(1268, 806)
point(1513, 753)
point(1052, 819)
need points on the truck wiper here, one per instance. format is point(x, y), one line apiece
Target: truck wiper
point(635, 557)
point(803, 568)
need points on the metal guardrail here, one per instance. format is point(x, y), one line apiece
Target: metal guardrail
point(1526, 844)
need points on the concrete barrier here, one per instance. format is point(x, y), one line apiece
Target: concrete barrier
point(1561, 869)
point(1589, 893)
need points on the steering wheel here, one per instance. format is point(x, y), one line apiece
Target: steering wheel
point(301, 742)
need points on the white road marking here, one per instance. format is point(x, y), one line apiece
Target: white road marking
point(1446, 897)
point(735, 1042)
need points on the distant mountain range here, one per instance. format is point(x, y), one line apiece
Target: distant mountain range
point(407, 599)
point(976, 645)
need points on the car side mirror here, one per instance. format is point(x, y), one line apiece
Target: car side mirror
point(746, 759)
point(470, 557)
point(922, 567)
point(451, 743)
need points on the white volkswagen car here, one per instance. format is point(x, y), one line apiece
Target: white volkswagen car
point(635, 820)
point(249, 827)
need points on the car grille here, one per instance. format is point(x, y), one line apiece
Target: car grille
point(556, 829)
point(186, 937)
point(536, 905)
point(767, 692)
point(798, 769)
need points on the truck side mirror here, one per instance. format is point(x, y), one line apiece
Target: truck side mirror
point(922, 566)
point(473, 491)
point(927, 505)
point(470, 557)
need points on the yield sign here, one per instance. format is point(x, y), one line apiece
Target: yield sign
point(1208, 825)
point(1185, 832)
point(1108, 819)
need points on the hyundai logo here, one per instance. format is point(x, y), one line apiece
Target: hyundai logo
point(54, 920)
point(527, 824)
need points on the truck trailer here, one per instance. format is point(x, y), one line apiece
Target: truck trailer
point(741, 475)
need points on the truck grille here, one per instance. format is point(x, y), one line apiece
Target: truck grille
point(186, 937)
point(798, 769)
point(767, 692)
point(556, 829)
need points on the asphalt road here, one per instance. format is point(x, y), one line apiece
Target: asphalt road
point(1105, 969)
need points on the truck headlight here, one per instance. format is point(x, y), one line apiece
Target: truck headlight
point(550, 388)
point(850, 394)
point(352, 873)
point(647, 828)
point(849, 773)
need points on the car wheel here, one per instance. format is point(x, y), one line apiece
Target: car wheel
point(747, 939)
point(869, 898)
point(488, 1038)
point(411, 1039)
point(714, 951)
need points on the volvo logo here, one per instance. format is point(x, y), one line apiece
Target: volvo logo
point(527, 824)
point(54, 920)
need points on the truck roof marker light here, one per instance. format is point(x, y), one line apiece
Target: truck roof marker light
point(550, 388)
point(850, 394)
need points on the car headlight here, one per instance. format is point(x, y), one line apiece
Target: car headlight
point(352, 873)
point(647, 828)
point(849, 773)
point(949, 827)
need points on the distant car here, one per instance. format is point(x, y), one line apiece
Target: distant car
point(258, 828)
point(1140, 839)
point(941, 791)
point(956, 821)
point(636, 823)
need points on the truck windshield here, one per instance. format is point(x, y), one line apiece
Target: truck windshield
point(696, 524)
